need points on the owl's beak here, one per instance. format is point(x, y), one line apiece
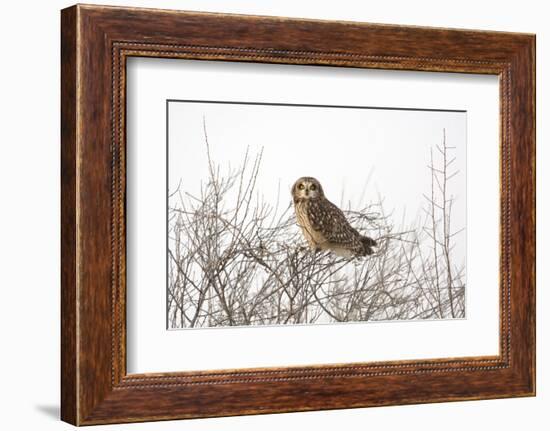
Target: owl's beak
point(307, 192)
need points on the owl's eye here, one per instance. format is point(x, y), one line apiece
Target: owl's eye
point(301, 187)
point(312, 187)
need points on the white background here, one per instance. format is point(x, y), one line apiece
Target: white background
point(363, 153)
point(29, 217)
point(151, 81)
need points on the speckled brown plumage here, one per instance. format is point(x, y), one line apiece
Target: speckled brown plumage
point(323, 224)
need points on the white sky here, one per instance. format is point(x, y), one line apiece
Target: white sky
point(341, 147)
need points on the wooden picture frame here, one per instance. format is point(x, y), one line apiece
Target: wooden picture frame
point(95, 43)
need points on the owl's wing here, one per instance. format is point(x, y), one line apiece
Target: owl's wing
point(330, 221)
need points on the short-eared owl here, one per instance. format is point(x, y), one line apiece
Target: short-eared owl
point(323, 224)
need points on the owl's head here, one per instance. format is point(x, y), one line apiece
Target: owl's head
point(307, 188)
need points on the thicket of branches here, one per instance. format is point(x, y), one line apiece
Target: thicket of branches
point(234, 259)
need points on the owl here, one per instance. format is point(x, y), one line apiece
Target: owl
point(323, 224)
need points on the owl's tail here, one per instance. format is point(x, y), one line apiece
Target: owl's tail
point(367, 243)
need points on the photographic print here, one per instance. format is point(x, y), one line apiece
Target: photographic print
point(338, 218)
point(281, 214)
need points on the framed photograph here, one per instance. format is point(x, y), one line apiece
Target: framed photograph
point(265, 214)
